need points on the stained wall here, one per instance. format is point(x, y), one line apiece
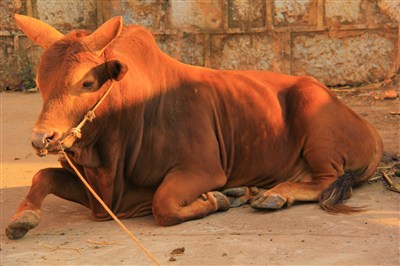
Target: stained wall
point(349, 42)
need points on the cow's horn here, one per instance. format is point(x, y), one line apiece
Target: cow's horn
point(39, 32)
point(104, 35)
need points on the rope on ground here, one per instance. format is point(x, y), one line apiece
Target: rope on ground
point(148, 254)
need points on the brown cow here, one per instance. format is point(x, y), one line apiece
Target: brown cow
point(169, 136)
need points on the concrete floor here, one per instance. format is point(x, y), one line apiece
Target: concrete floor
point(302, 234)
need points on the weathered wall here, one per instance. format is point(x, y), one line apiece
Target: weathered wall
point(339, 42)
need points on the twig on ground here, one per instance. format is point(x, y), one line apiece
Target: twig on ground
point(372, 179)
point(102, 243)
point(395, 113)
point(392, 185)
point(54, 248)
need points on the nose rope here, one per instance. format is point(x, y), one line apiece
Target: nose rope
point(76, 133)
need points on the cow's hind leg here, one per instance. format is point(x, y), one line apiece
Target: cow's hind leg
point(56, 181)
point(310, 188)
point(287, 193)
point(186, 196)
point(330, 194)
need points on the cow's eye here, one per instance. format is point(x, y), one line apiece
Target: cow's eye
point(87, 84)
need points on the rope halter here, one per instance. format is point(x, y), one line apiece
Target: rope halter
point(76, 132)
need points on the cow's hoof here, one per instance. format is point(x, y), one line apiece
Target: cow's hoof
point(273, 201)
point(221, 200)
point(236, 192)
point(240, 195)
point(237, 202)
point(241, 191)
point(22, 224)
point(237, 196)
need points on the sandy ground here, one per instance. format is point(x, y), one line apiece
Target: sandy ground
point(302, 234)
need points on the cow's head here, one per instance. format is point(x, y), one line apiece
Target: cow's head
point(73, 73)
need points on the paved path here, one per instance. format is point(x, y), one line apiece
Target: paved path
point(302, 234)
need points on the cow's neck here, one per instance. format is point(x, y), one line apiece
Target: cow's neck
point(133, 100)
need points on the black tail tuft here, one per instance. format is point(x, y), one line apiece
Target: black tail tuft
point(332, 198)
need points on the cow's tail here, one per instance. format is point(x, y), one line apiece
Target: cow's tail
point(332, 198)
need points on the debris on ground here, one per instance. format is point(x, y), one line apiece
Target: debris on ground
point(393, 185)
point(178, 251)
point(33, 90)
point(54, 248)
point(389, 172)
point(385, 95)
point(387, 89)
point(102, 243)
point(390, 94)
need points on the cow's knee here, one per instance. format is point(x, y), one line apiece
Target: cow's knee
point(170, 212)
point(41, 186)
point(166, 210)
point(166, 218)
point(165, 214)
point(57, 181)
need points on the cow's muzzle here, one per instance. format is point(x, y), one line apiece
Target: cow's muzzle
point(44, 142)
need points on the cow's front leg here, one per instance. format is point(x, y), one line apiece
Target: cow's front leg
point(56, 181)
point(186, 196)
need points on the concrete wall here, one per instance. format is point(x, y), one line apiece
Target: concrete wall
point(347, 42)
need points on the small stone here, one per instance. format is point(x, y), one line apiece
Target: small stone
point(178, 251)
point(172, 259)
point(224, 254)
point(389, 94)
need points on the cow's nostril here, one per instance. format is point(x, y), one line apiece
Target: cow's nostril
point(41, 139)
point(48, 139)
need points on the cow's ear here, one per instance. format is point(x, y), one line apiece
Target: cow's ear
point(100, 39)
point(116, 69)
point(39, 32)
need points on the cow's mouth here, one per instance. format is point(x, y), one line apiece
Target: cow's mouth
point(55, 147)
point(49, 148)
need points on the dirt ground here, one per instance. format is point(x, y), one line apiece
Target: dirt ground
point(302, 234)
